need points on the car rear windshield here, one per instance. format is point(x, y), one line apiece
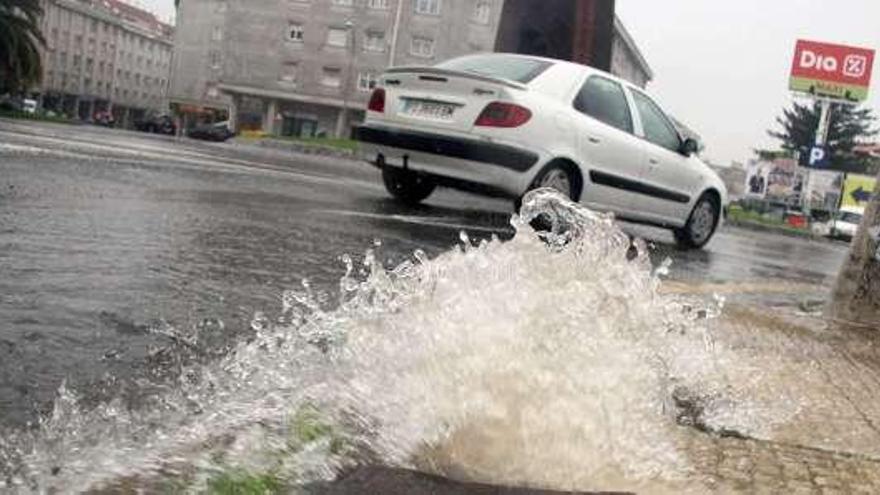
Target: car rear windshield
point(519, 69)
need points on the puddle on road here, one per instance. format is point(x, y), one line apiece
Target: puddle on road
point(552, 362)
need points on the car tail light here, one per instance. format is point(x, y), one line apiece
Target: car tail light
point(377, 101)
point(500, 114)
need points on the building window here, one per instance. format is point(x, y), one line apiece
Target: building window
point(374, 41)
point(377, 4)
point(216, 34)
point(429, 7)
point(214, 57)
point(295, 32)
point(482, 10)
point(331, 77)
point(366, 81)
point(221, 6)
point(289, 73)
point(337, 37)
point(343, 3)
point(422, 47)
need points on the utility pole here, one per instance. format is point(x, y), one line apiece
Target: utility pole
point(342, 123)
point(395, 32)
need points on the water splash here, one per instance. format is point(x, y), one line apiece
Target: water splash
point(549, 360)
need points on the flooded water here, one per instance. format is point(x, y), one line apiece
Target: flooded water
point(510, 362)
point(149, 336)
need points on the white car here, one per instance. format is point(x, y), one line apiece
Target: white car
point(29, 106)
point(503, 124)
point(846, 224)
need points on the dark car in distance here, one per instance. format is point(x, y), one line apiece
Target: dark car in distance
point(157, 124)
point(218, 132)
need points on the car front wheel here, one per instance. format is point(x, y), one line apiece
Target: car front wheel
point(406, 186)
point(700, 225)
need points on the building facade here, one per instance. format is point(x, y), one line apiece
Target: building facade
point(307, 67)
point(104, 56)
point(627, 61)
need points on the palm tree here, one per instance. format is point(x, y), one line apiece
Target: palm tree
point(20, 42)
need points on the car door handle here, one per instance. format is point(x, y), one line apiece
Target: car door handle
point(594, 140)
point(654, 161)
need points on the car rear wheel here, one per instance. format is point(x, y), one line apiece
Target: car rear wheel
point(406, 186)
point(700, 225)
point(555, 176)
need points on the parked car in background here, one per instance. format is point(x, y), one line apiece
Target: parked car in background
point(218, 132)
point(846, 224)
point(503, 124)
point(157, 124)
point(18, 104)
point(29, 106)
point(105, 119)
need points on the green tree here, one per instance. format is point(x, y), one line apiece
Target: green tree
point(20, 42)
point(849, 125)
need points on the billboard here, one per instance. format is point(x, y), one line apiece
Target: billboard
point(756, 179)
point(778, 180)
point(833, 71)
point(857, 191)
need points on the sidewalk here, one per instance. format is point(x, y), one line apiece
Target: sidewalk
point(826, 379)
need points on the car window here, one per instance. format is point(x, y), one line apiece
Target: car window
point(850, 217)
point(604, 100)
point(655, 124)
point(519, 69)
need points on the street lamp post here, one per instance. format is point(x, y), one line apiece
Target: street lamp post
point(343, 115)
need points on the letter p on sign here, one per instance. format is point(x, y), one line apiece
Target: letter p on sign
point(817, 156)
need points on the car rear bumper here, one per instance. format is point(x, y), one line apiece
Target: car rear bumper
point(473, 150)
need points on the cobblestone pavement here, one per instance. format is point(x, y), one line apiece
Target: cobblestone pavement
point(830, 440)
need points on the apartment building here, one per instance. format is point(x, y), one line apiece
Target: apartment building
point(307, 67)
point(104, 56)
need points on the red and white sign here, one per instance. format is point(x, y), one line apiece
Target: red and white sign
point(835, 71)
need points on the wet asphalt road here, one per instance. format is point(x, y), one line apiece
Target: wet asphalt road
point(114, 245)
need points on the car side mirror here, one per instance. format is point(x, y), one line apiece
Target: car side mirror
point(689, 147)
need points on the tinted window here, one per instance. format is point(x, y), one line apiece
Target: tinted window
point(603, 99)
point(657, 128)
point(850, 217)
point(519, 69)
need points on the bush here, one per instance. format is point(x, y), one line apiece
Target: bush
point(39, 116)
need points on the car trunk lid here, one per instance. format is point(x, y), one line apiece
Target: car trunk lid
point(441, 99)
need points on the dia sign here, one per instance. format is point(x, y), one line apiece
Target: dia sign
point(832, 71)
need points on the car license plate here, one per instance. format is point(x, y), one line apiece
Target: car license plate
point(431, 110)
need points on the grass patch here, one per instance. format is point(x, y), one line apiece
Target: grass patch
point(349, 145)
point(242, 483)
point(41, 117)
point(307, 425)
point(334, 143)
point(737, 215)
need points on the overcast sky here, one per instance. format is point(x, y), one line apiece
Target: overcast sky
point(722, 66)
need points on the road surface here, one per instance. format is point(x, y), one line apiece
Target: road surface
point(113, 244)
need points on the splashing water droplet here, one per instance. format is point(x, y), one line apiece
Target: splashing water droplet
point(549, 360)
point(260, 322)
